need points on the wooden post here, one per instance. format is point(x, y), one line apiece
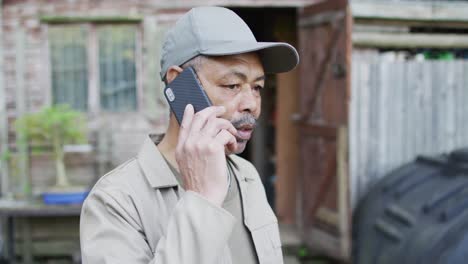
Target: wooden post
point(287, 148)
point(5, 184)
point(4, 173)
point(21, 138)
point(26, 235)
point(258, 144)
point(343, 192)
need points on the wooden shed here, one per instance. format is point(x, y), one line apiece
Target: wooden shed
point(102, 57)
point(329, 129)
point(409, 85)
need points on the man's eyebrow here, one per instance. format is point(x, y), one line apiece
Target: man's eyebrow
point(261, 78)
point(242, 76)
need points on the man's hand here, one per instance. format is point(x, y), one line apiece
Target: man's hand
point(200, 152)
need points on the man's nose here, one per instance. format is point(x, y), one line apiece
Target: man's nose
point(248, 100)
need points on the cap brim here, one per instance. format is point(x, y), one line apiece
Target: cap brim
point(276, 57)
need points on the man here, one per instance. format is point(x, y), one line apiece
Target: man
point(186, 198)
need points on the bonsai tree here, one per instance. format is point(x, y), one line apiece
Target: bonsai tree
point(55, 127)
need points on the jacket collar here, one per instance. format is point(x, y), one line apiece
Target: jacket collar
point(239, 171)
point(157, 171)
point(153, 164)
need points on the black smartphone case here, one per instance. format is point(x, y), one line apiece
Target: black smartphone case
point(186, 89)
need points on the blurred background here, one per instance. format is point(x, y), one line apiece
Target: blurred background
point(380, 83)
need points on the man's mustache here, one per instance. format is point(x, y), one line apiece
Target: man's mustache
point(244, 120)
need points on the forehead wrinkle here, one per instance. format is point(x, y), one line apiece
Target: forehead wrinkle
point(234, 73)
point(241, 75)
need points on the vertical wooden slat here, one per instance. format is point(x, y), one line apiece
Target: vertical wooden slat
point(450, 106)
point(410, 103)
point(383, 107)
point(462, 105)
point(395, 117)
point(21, 138)
point(343, 191)
point(457, 92)
point(353, 130)
point(371, 117)
point(405, 117)
point(364, 135)
point(437, 101)
point(363, 129)
point(426, 107)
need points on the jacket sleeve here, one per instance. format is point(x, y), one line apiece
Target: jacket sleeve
point(110, 232)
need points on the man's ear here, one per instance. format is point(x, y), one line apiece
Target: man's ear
point(172, 73)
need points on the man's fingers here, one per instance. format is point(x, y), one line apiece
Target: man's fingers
point(186, 123)
point(214, 125)
point(225, 138)
point(201, 117)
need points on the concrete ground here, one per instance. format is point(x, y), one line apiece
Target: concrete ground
point(290, 240)
point(292, 245)
point(291, 260)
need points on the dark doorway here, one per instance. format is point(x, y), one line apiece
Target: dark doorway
point(266, 23)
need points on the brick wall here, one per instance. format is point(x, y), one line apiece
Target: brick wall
point(127, 130)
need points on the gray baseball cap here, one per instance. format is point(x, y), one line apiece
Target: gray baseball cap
point(218, 31)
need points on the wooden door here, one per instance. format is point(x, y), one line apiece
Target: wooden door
point(325, 47)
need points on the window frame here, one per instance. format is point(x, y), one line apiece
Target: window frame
point(92, 53)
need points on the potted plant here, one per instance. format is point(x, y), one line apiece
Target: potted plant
point(55, 127)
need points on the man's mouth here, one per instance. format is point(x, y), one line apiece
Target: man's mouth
point(244, 132)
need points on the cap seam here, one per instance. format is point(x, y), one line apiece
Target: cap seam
point(194, 27)
point(267, 67)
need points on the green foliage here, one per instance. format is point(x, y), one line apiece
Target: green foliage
point(53, 126)
point(303, 252)
point(5, 156)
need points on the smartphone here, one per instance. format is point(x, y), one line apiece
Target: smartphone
point(183, 90)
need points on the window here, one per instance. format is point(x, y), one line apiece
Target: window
point(117, 68)
point(115, 49)
point(69, 66)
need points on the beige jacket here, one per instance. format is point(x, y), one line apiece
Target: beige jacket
point(136, 214)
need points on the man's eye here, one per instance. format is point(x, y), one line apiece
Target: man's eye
point(231, 86)
point(258, 87)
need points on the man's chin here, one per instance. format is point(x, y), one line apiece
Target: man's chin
point(240, 148)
